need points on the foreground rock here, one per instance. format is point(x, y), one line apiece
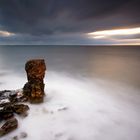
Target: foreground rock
point(6, 112)
point(9, 126)
point(34, 88)
point(20, 109)
point(11, 101)
point(10, 104)
point(11, 96)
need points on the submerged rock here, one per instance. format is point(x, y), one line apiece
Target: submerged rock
point(34, 88)
point(23, 135)
point(9, 126)
point(15, 138)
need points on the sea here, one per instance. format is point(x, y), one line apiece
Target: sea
point(97, 89)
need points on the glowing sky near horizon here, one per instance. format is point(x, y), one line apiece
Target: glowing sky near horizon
point(124, 36)
point(128, 31)
point(67, 22)
point(5, 34)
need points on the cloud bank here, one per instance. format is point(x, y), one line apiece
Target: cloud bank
point(64, 21)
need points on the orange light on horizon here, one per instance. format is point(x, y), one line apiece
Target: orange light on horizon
point(98, 37)
point(6, 34)
point(116, 32)
point(112, 36)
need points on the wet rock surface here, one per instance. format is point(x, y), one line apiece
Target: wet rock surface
point(34, 88)
point(9, 126)
point(11, 101)
point(20, 109)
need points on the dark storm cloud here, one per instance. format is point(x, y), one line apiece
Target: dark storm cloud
point(44, 20)
point(39, 17)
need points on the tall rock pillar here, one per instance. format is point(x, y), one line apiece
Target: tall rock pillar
point(34, 88)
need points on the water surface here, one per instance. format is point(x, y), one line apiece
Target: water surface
point(98, 86)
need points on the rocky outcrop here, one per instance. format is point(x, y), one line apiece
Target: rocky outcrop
point(20, 109)
point(11, 101)
point(9, 126)
point(34, 88)
point(11, 104)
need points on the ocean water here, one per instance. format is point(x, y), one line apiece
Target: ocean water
point(93, 92)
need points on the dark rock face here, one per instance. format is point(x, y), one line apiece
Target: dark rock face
point(4, 102)
point(6, 112)
point(10, 104)
point(20, 109)
point(11, 96)
point(11, 101)
point(34, 88)
point(9, 126)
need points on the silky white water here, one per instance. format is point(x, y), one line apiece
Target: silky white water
point(92, 93)
point(80, 109)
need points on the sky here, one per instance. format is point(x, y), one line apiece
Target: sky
point(70, 22)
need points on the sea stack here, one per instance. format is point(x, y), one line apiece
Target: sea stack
point(34, 88)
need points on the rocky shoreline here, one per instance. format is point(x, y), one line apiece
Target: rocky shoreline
point(13, 101)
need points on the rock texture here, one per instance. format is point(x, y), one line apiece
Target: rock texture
point(11, 104)
point(11, 101)
point(9, 126)
point(34, 88)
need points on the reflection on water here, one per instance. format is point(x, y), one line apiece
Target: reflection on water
point(124, 68)
point(120, 64)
